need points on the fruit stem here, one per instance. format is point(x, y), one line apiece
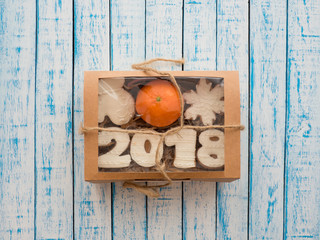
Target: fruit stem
point(158, 99)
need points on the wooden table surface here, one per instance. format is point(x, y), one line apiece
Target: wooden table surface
point(46, 45)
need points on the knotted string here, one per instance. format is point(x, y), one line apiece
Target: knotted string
point(151, 191)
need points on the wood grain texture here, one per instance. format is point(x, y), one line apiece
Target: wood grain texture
point(199, 35)
point(165, 213)
point(92, 202)
point(268, 78)
point(17, 78)
point(199, 50)
point(36, 128)
point(302, 199)
point(164, 31)
point(128, 47)
point(232, 54)
point(164, 39)
point(199, 210)
point(54, 184)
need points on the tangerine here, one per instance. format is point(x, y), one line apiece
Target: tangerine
point(158, 103)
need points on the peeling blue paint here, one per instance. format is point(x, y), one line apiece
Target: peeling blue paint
point(48, 66)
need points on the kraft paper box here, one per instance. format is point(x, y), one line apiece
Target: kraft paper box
point(211, 98)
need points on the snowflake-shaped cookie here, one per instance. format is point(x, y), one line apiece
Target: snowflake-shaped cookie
point(205, 102)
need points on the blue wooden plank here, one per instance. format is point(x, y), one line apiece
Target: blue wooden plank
point(232, 54)
point(17, 74)
point(199, 44)
point(92, 202)
point(128, 47)
point(302, 199)
point(54, 184)
point(164, 39)
point(267, 79)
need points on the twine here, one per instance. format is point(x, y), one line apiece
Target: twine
point(151, 191)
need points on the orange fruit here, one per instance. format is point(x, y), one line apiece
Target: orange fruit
point(158, 103)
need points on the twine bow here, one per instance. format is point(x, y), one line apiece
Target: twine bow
point(151, 191)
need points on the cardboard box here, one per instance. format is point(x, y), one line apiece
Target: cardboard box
point(231, 169)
